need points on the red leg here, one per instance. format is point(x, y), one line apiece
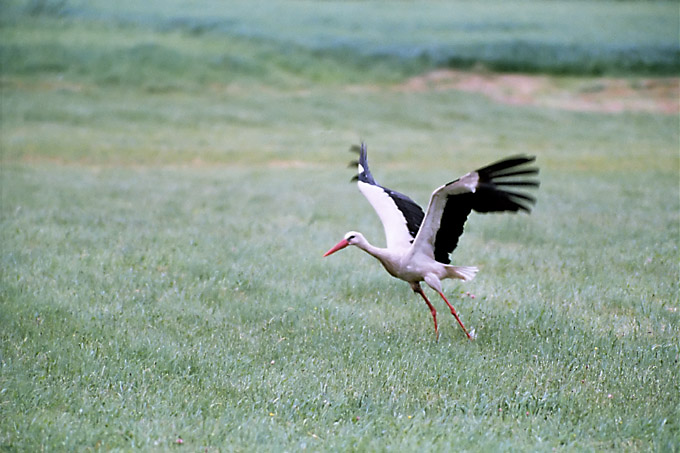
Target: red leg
point(432, 310)
point(453, 312)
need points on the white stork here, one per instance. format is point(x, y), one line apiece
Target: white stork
point(419, 244)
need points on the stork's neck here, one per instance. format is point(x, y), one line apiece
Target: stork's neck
point(385, 256)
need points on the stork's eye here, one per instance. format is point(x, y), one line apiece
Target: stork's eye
point(351, 237)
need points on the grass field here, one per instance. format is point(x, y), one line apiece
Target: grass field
point(171, 178)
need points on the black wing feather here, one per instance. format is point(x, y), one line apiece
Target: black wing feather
point(490, 196)
point(456, 212)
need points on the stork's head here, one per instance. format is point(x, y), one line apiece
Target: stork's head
point(351, 238)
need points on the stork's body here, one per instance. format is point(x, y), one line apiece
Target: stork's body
point(418, 243)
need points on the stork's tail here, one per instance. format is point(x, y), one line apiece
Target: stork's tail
point(464, 273)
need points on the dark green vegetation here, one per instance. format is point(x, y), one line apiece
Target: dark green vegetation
point(168, 190)
point(582, 37)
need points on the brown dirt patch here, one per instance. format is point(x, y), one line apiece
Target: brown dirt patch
point(611, 95)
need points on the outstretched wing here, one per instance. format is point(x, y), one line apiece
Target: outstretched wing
point(401, 217)
point(488, 189)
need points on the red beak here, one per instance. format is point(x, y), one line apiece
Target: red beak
point(339, 246)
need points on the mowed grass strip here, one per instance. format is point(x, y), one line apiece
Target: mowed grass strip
point(531, 36)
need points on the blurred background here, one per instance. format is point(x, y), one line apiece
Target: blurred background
point(175, 81)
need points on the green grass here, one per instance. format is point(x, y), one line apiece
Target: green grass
point(144, 304)
point(162, 226)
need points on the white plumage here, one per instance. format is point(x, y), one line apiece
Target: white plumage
point(397, 236)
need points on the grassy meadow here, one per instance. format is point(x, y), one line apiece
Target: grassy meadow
point(171, 175)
